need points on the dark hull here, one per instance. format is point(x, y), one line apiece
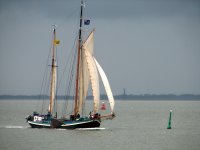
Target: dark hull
point(82, 124)
point(68, 124)
point(56, 123)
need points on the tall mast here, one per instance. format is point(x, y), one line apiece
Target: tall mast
point(78, 61)
point(53, 74)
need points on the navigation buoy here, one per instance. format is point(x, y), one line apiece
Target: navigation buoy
point(103, 106)
point(170, 118)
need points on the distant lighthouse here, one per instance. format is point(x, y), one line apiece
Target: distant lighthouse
point(124, 92)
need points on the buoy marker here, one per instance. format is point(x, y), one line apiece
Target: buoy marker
point(170, 118)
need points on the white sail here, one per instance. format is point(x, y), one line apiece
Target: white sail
point(93, 78)
point(106, 85)
point(84, 77)
point(89, 42)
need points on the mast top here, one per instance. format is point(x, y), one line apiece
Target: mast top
point(54, 26)
point(82, 3)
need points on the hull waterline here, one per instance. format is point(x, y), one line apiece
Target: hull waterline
point(39, 125)
point(68, 124)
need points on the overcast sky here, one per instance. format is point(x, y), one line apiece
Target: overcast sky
point(145, 46)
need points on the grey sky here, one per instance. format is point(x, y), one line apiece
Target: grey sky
point(145, 46)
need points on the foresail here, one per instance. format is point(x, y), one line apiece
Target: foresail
point(93, 78)
point(106, 85)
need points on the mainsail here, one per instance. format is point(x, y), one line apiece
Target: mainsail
point(106, 85)
point(84, 77)
point(93, 78)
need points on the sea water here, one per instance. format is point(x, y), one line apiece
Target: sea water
point(139, 125)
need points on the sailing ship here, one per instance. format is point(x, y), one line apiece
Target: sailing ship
point(87, 74)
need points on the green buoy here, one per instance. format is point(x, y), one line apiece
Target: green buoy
point(170, 118)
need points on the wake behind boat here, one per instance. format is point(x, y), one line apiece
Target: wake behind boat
point(87, 71)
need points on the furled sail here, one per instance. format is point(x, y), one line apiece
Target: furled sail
point(106, 85)
point(53, 86)
point(53, 73)
point(93, 73)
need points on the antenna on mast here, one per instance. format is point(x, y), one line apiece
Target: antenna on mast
point(54, 26)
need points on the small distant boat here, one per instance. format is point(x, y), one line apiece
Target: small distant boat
point(103, 106)
point(87, 73)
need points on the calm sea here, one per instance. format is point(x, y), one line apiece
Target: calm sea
point(139, 125)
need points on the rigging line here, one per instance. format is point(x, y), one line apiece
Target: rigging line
point(48, 77)
point(67, 91)
point(71, 53)
point(72, 70)
point(70, 78)
point(44, 96)
point(43, 82)
point(74, 91)
point(43, 93)
point(48, 83)
point(46, 90)
point(68, 58)
point(45, 74)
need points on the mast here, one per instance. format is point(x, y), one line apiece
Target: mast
point(53, 74)
point(78, 60)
